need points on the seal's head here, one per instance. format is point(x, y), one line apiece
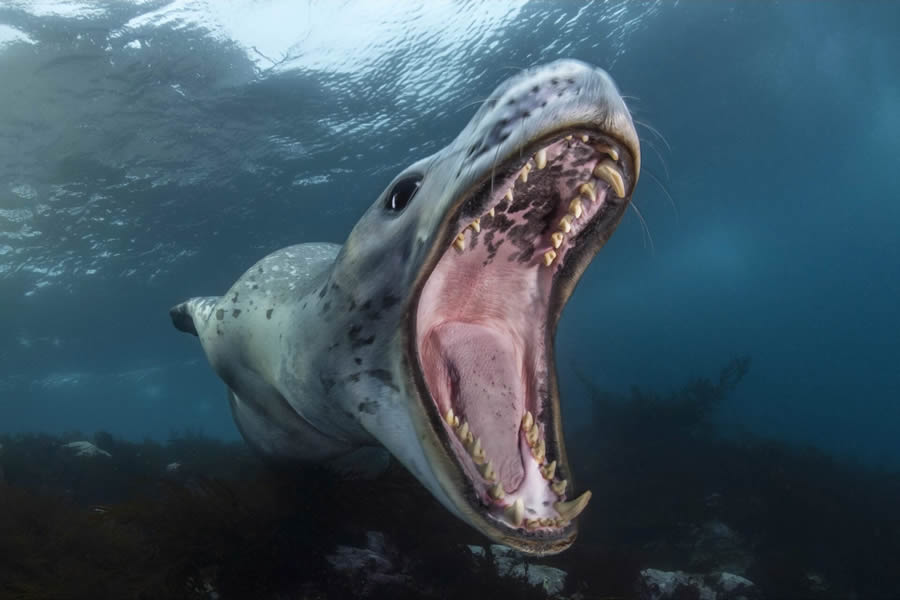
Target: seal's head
point(489, 237)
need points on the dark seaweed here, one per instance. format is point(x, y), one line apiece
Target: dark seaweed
point(798, 523)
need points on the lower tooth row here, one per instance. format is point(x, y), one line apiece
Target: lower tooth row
point(539, 451)
point(472, 445)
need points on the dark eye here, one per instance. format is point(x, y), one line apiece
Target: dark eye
point(402, 193)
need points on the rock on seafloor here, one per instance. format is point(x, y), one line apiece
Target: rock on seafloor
point(84, 448)
point(510, 563)
point(655, 584)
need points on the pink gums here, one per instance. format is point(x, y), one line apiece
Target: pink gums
point(482, 316)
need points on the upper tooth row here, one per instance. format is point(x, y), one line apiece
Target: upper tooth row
point(605, 170)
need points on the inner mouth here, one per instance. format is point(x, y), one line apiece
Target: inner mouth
point(482, 327)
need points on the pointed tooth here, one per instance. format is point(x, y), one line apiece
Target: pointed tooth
point(584, 138)
point(497, 492)
point(476, 225)
point(523, 174)
point(556, 238)
point(448, 417)
point(456, 421)
point(559, 486)
point(565, 224)
point(548, 471)
point(549, 257)
point(492, 212)
point(508, 195)
point(516, 512)
point(587, 189)
point(571, 509)
point(540, 451)
point(488, 471)
point(608, 150)
point(470, 438)
point(478, 452)
point(608, 173)
point(569, 138)
point(540, 159)
point(532, 435)
point(575, 207)
point(460, 242)
point(527, 420)
point(463, 431)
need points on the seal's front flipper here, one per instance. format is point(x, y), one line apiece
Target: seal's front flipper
point(190, 313)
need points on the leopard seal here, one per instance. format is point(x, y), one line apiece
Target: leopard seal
point(430, 332)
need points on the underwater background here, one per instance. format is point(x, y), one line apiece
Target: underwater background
point(729, 360)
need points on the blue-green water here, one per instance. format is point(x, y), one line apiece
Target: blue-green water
point(152, 151)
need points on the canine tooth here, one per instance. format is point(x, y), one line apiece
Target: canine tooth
point(559, 486)
point(608, 150)
point(497, 492)
point(448, 417)
point(565, 224)
point(540, 159)
point(476, 225)
point(584, 139)
point(608, 173)
point(491, 212)
point(548, 471)
point(571, 509)
point(460, 242)
point(557, 239)
point(549, 257)
point(527, 420)
point(587, 189)
point(516, 512)
point(463, 431)
point(575, 207)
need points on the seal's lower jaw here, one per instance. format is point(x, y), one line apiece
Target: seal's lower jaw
point(484, 329)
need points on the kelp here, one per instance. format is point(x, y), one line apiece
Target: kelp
point(796, 521)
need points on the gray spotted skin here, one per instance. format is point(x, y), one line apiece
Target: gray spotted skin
point(237, 331)
point(316, 341)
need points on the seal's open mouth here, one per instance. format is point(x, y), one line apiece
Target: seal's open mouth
point(485, 320)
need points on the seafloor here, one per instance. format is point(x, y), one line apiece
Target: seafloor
point(676, 504)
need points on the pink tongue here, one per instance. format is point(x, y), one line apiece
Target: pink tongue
point(488, 391)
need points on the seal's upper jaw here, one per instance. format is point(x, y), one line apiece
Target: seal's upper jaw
point(539, 194)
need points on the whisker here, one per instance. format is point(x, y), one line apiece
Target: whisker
point(654, 130)
point(494, 166)
point(667, 194)
point(645, 141)
point(472, 103)
point(644, 227)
